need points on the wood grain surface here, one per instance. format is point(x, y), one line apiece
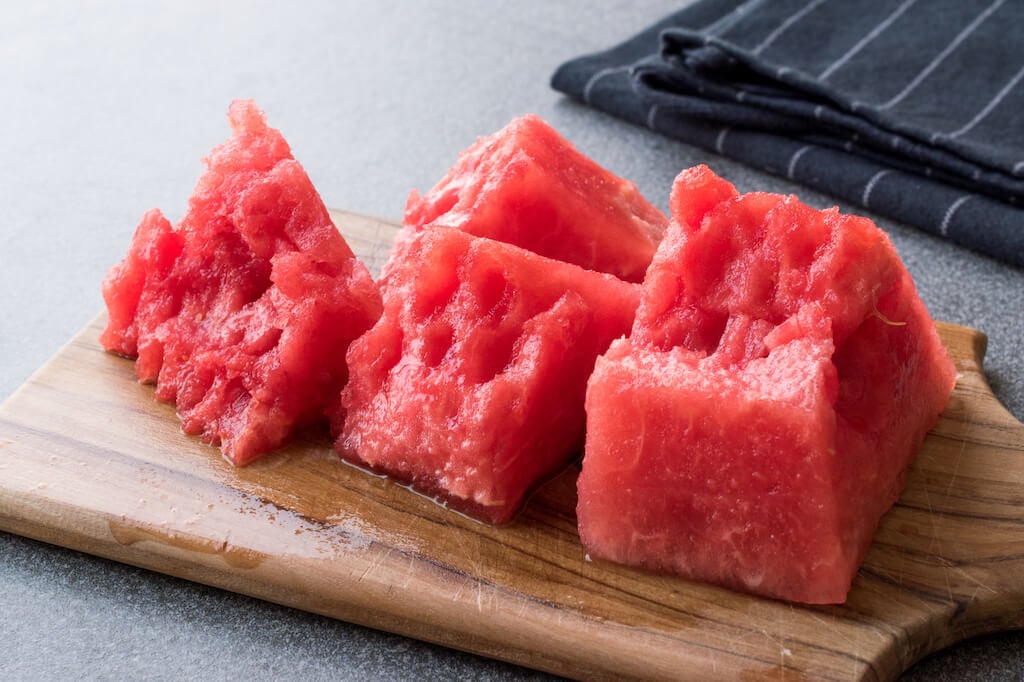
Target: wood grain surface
point(89, 460)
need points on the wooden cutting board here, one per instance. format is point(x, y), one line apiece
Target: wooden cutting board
point(89, 460)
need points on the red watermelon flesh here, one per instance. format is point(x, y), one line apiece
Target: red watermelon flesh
point(470, 386)
point(779, 377)
point(527, 185)
point(243, 311)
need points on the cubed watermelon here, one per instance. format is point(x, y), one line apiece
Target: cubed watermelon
point(527, 185)
point(779, 377)
point(470, 386)
point(243, 311)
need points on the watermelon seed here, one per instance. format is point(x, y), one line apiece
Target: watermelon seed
point(892, 323)
point(875, 312)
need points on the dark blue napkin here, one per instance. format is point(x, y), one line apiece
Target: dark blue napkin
point(913, 109)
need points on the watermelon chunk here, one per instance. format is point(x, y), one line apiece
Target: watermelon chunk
point(759, 420)
point(242, 312)
point(527, 185)
point(470, 386)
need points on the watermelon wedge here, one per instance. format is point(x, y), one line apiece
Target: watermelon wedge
point(759, 420)
point(470, 386)
point(242, 312)
point(527, 185)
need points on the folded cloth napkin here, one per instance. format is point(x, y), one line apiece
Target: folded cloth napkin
point(913, 109)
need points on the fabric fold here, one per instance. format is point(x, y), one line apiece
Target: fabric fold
point(910, 109)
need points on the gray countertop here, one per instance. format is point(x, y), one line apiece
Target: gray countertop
point(107, 109)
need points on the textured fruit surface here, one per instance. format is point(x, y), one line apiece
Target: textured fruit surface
point(526, 185)
point(243, 311)
point(470, 386)
point(779, 377)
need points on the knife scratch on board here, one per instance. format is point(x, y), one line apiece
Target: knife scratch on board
point(374, 564)
point(978, 584)
point(956, 463)
point(935, 544)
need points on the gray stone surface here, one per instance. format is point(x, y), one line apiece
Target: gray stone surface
point(107, 108)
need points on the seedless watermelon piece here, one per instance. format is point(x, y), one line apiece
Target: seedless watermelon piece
point(470, 386)
point(779, 377)
point(243, 311)
point(527, 185)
